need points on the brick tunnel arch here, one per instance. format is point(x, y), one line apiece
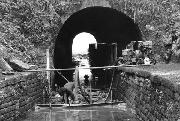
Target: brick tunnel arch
point(107, 25)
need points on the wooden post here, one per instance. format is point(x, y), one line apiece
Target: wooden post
point(90, 91)
point(47, 64)
point(76, 81)
point(48, 74)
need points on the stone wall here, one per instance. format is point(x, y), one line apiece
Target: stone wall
point(18, 95)
point(152, 97)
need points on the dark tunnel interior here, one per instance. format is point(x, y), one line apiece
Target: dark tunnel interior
point(107, 25)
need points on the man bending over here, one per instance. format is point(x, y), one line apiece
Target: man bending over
point(67, 92)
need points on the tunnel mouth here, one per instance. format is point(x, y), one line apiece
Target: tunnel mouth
point(107, 25)
point(81, 43)
point(80, 53)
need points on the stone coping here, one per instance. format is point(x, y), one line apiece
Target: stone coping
point(167, 75)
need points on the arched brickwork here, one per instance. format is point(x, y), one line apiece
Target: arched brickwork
point(107, 25)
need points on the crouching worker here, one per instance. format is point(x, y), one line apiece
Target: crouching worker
point(67, 92)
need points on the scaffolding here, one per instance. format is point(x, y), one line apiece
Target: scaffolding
point(77, 83)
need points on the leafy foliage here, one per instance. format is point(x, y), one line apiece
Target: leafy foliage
point(155, 16)
point(157, 19)
point(27, 26)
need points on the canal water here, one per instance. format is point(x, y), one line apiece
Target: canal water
point(116, 112)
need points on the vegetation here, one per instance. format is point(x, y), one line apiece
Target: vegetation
point(156, 18)
point(29, 26)
point(153, 16)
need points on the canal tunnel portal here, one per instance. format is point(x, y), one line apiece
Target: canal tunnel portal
point(107, 25)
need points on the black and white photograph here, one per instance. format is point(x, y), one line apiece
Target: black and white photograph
point(89, 60)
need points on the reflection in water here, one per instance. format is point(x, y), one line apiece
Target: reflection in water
point(85, 116)
point(95, 113)
point(93, 116)
point(78, 116)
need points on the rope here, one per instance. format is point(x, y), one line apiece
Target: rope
point(70, 69)
point(61, 75)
